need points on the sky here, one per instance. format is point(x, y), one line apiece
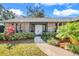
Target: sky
point(51, 9)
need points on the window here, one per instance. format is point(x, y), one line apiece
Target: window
point(18, 27)
point(32, 28)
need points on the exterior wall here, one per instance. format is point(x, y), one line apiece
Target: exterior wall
point(20, 26)
point(23, 26)
point(51, 27)
point(27, 27)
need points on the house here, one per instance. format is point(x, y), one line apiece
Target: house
point(37, 25)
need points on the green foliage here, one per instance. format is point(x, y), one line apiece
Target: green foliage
point(5, 14)
point(1, 37)
point(28, 35)
point(70, 30)
point(53, 41)
point(47, 35)
point(18, 36)
point(74, 48)
point(8, 15)
point(35, 11)
point(20, 50)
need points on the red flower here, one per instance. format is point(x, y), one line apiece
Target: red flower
point(11, 29)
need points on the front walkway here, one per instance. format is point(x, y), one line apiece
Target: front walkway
point(51, 50)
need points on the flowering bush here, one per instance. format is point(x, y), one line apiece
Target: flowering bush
point(10, 30)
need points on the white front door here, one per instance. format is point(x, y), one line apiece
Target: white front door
point(38, 29)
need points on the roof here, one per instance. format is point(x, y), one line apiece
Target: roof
point(40, 20)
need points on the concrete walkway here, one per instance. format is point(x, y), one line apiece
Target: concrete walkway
point(51, 50)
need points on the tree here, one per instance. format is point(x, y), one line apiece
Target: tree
point(1, 11)
point(5, 14)
point(8, 15)
point(35, 11)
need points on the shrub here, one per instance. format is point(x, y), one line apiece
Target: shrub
point(47, 35)
point(70, 30)
point(18, 36)
point(74, 48)
point(2, 37)
point(53, 41)
point(30, 35)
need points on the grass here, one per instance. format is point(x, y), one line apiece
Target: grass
point(24, 48)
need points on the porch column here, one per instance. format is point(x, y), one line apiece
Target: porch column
point(6, 25)
point(27, 27)
point(15, 26)
point(57, 26)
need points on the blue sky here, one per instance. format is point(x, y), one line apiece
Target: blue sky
point(51, 9)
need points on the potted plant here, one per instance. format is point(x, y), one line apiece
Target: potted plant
point(64, 45)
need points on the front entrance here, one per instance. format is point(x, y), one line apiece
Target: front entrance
point(38, 29)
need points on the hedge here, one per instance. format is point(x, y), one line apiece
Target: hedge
point(18, 36)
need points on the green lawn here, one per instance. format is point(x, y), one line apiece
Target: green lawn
point(20, 50)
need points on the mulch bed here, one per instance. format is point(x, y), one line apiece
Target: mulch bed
point(5, 41)
point(16, 41)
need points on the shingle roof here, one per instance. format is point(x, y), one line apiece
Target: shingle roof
point(41, 20)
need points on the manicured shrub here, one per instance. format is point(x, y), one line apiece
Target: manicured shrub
point(74, 48)
point(18, 36)
point(47, 35)
point(28, 35)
